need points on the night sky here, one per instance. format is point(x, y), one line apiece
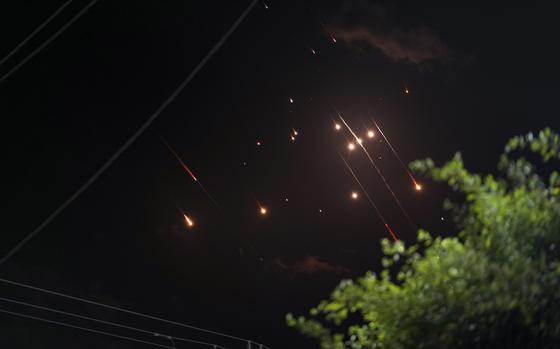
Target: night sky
point(476, 74)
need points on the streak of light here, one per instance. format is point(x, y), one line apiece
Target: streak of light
point(369, 198)
point(190, 172)
point(265, 5)
point(188, 221)
point(291, 100)
point(313, 51)
point(293, 138)
point(417, 186)
point(262, 209)
point(391, 232)
point(333, 40)
point(359, 140)
point(180, 160)
point(397, 201)
point(294, 131)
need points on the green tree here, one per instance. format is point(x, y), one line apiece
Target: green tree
point(494, 285)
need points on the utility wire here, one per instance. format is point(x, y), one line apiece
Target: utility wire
point(55, 293)
point(133, 138)
point(48, 41)
point(83, 328)
point(106, 322)
point(34, 32)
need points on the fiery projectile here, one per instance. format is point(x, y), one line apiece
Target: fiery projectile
point(397, 201)
point(368, 197)
point(188, 221)
point(190, 173)
point(417, 186)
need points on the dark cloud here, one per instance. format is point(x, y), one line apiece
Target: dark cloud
point(363, 24)
point(308, 265)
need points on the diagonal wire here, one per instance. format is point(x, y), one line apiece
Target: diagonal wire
point(83, 317)
point(15, 283)
point(34, 32)
point(83, 328)
point(48, 41)
point(133, 138)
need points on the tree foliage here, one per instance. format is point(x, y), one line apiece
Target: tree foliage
point(495, 284)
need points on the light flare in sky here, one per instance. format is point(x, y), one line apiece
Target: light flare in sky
point(354, 195)
point(190, 172)
point(188, 221)
point(369, 198)
point(351, 146)
point(397, 201)
point(370, 134)
point(417, 186)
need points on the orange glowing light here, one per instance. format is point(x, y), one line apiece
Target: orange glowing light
point(337, 127)
point(359, 140)
point(188, 221)
point(417, 187)
point(351, 146)
point(370, 134)
point(354, 195)
point(263, 211)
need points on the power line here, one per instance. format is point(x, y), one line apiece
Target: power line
point(48, 41)
point(83, 328)
point(38, 29)
point(131, 140)
point(55, 293)
point(83, 317)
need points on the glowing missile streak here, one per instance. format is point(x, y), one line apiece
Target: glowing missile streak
point(378, 171)
point(417, 185)
point(262, 210)
point(369, 198)
point(188, 221)
point(189, 172)
point(180, 160)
